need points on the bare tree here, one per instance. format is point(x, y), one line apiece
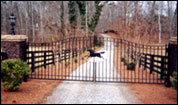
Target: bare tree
point(174, 22)
point(33, 33)
point(86, 20)
point(152, 16)
point(41, 21)
point(159, 22)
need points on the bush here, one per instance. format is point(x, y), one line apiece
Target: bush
point(131, 66)
point(175, 80)
point(13, 72)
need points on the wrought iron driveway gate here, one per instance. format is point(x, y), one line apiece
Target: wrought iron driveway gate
point(122, 62)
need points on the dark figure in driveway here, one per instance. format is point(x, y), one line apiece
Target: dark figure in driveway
point(93, 54)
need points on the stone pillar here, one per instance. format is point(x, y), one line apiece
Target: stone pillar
point(173, 54)
point(14, 46)
point(172, 59)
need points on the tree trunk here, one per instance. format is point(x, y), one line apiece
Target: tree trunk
point(86, 23)
point(159, 23)
point(41, 22)
point(152, 16)
point(174, 22)
point(33, 31)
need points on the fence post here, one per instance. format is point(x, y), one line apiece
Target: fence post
point(145, 63)
point(95, 41)
point(45, 60)
point(33, 62)
point(76, 53)
point(162, 68)
point(53, 59)
point(65, 55)
point(152, 62)
point(59, 57)
point(167, 80)
point(73, 54)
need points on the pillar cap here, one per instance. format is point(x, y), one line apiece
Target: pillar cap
point(14, 38)
point(173, 40)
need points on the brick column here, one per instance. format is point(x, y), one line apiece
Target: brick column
point(173, 54)
point(14, 46)
point(172, 60)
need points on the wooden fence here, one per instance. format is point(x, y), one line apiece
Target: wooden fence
point(154, 63)
point(38, 59)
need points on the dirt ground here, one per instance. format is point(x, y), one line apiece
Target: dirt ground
point(31, 92)
point(154, 94)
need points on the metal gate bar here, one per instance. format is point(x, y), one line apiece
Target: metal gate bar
point(65, 60)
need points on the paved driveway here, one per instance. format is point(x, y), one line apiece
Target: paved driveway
point(94, 93)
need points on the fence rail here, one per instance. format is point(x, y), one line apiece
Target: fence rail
point(154, 63)
point(37, 59)
point(42, 58)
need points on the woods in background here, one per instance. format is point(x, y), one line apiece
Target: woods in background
point(52, 20)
